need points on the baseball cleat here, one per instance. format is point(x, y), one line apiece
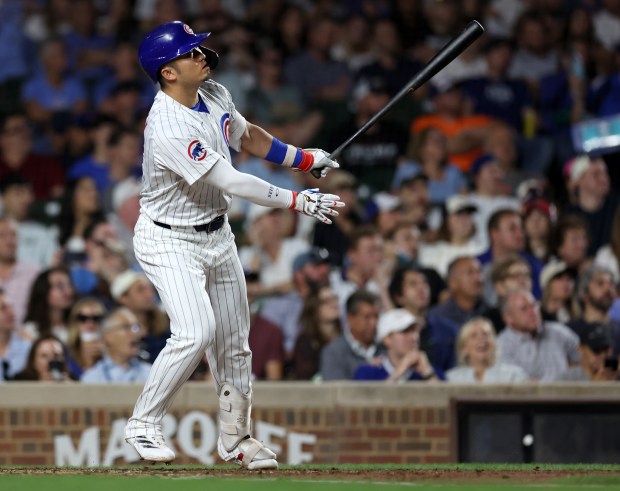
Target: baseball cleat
point(152, 448)
point(249, 454)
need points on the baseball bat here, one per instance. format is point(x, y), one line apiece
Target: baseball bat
point(446, 55)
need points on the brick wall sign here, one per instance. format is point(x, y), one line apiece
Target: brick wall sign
point(78, 425)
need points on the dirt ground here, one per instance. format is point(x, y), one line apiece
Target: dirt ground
point(386, 475)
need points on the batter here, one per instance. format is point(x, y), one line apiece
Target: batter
point(184, 243)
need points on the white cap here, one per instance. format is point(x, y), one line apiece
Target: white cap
point(550, 271)
point(256, 211)
point(579, 166)
point(123, 282)
point(459, 203)
point(386, 201)
point(395, 320)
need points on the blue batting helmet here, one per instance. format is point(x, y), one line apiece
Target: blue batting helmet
point(169, 41)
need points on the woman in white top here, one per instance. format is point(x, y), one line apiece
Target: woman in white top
point(476, 351)
point(456, 237)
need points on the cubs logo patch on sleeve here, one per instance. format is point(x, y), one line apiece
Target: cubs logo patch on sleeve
point(196, 150)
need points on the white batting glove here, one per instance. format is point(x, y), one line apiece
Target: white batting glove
point(314, 204)
point(322, 162)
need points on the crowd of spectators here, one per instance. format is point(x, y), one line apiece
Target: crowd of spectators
point(479, 242)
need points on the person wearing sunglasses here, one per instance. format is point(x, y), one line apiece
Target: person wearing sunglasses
point(120, 363)
point(184, 243)
point(85, 342)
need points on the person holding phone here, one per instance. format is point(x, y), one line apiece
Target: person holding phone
point(597, 363)
point(46, 362)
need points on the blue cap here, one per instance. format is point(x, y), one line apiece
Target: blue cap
point(169, 41)
point(408, 173)
point(316, 255)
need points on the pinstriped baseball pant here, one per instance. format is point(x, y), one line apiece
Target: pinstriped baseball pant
point(201, 283)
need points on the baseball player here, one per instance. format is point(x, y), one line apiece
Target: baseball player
point(186, 247)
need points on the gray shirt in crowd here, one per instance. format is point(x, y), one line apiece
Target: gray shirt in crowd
point(501, 373)
point(544, 355)
point(573, 374)
point(341, 357)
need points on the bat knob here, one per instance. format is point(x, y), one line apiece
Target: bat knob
point(316, 173)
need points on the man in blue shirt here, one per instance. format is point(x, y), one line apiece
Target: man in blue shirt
point(121, 363)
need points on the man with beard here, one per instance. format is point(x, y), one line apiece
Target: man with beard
point(596, 294)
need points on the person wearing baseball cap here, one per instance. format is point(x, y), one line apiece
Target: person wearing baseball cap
point(597, 364)
point(456, 236)
point(399, 331)
point(538, 215)
point(589, 189)
point(311, 270)
point(135, 292)
point(557, 282)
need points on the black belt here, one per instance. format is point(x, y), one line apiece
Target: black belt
point(212, 226)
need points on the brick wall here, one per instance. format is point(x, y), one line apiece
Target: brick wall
point(389, 435)
point(349, 423)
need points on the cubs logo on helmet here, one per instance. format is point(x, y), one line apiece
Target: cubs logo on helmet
point(196, 151)
point(225, 123)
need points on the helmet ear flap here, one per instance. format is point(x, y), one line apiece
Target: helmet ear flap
point(211, 57)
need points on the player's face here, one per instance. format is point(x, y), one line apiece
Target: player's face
point(192, 65)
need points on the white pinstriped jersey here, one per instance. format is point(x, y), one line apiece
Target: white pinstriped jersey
point(180, 146)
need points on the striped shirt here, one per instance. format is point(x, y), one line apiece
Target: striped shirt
point(543, 356)
point(180, 146)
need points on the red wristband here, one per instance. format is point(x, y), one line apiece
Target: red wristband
point(295, 193)
point(307, 159)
